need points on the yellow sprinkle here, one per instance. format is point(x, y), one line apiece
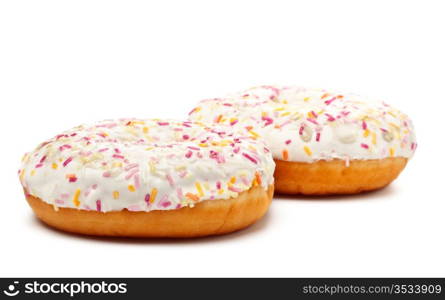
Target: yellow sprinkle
point(76, 198)
point(306, 99)
point(131, 188)
point(366, 133)
point(233, 180)
point(264, 114)
point(254, 133)
point(22, 174)
point(279, 109)
point(116, 194)
point(391, 151)
point(310, 115)
point(54, 166)
point(33, 172)
point(203, 145)
point(199, 188)
point(374, 138)
point(284, 102)
point(308, 150)
point(145, 130)
point(221, 191)
point(153, 194)
point(285, 114)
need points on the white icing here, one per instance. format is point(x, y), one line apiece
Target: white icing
point(119, 164)
point(307, 125)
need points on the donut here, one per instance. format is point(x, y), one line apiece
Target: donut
point(323, 142)
point(148, 178)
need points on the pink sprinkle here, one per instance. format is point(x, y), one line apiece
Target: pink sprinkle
point(331, 118)
point(312, 121)
point(364, 146)
point(364, 125)
point(236, 150)
point(130, 166)
point(103, 149)
point(61, 148)
point(72, 179)
point(117, 150)
point(314, 114)
point(131, 173)
point(166, 204)
point(234, 189)
point(413, 146)
point(106, 174)
point(170, 180)
point(102, 135)
point(118, 156)
point(67, 161)
point(317, 137)
point(193, 148)
point(60, 202)
point(42, 159)
point(250, 158)
point(233, 122)
point(227, 104)
point(39, 166)
point(163, 123)
point(189, 154)
point(137, 181)
point(218, 185)
point(301, 129)
point(268, 120)
point(134, 207)
point(185, 137)
point(288, 142)
point(179, 193)
point(327, 102)
point(94, 186)
point(98, 205)
point(147, 199)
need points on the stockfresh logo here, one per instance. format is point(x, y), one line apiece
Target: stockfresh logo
point(12, 289)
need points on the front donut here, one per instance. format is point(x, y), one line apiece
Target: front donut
point(148, 178)
point(323, 142)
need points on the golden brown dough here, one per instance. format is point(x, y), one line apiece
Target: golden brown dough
point(334, 177)
point(211, 217)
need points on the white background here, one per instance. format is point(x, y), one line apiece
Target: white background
point(63, 63)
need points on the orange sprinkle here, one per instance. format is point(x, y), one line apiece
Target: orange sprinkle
point(76, 198)
point(220, 192)
point(308, 150)
point(285, 154)
point(233, 180)
point(258, 177)
point(192, 197)
point(218, 119)
point(116, 194)
point(54, 166)
point(131, 188)
point(145, 130)
point(153, 195)
point(324, 95)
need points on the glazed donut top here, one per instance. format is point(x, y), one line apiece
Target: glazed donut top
point(307, 125)
point(144, 165)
